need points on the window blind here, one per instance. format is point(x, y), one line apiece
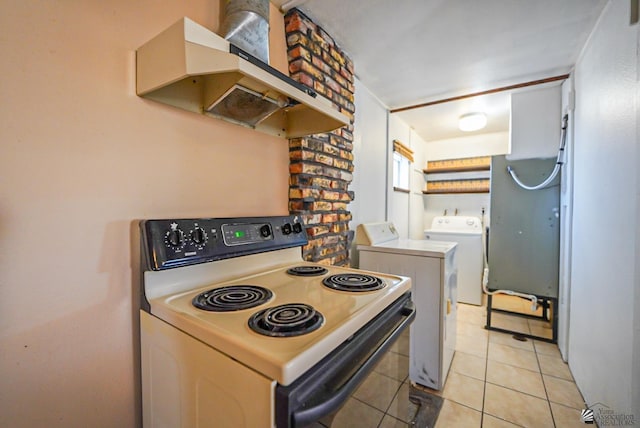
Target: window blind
point(403, 150)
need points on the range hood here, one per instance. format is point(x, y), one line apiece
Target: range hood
point(190, 67)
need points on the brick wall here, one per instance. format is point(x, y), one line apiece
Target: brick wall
point(321, 165)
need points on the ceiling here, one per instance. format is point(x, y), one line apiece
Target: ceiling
point(408, 52)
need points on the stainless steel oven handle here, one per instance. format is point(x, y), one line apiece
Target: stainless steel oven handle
point(334, 401)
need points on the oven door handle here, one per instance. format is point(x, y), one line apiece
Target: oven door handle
point(333, 402)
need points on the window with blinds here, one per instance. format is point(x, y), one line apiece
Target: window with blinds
point(402, 159)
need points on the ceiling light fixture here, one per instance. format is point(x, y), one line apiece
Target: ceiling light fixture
point(472, 122)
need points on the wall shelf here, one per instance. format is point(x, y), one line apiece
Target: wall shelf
point(457, 186)
point(460, 177)
point(458, 165)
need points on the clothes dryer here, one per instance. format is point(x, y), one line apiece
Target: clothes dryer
point(431, 265)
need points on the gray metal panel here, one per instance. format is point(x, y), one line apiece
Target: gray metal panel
point(524, 237)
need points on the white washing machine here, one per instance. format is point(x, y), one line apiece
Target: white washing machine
point(467, 232)
point(431, 265)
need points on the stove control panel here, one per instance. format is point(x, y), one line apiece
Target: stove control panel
point(181, 242)
point(246, 233)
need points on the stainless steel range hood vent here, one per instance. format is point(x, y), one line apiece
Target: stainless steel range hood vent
point(190, 67)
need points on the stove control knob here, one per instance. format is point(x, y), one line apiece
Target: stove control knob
point(297, 227)
point(174, 239)
point(286, 229)
point(199, 236)
point(265, 231)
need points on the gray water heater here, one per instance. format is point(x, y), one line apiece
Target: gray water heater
point(524, 237)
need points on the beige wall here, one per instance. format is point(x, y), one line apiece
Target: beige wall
point(81, 159)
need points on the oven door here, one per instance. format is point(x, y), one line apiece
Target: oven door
point(323, 389)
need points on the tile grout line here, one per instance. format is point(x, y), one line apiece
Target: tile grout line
point(512, 389)
point(486, 382)
point(385, 413)
point(553, 419)
point(373, 407)
point(486, 369)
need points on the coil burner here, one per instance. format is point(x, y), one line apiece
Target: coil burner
point(288, 320)
point(354, 282)
point(307, 270)
point(232, 298)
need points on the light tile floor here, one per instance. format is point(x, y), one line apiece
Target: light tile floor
point(494, 381)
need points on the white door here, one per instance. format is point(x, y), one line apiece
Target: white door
point(566, 213)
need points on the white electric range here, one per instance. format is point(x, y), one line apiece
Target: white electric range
point(238, 331)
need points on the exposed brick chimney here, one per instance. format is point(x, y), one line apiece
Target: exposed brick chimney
point(321, 165)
